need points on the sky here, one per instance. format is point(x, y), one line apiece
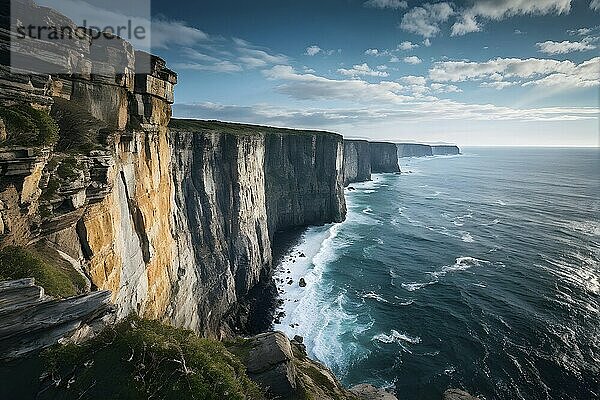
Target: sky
point(479, 72)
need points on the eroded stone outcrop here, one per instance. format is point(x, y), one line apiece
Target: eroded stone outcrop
point(31, 320)
point(283, 369)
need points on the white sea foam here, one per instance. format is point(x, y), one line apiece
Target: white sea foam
point(467, 238)
point(500, 202)
point(460, 264)
point(412, 286)
point(374, 296)
point(396, 337)
point(590, 228)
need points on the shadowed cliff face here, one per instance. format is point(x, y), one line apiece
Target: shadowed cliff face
point(414, 150)
point(235, 187)
point(384, 157)
point(357, 161)
point(445, 150)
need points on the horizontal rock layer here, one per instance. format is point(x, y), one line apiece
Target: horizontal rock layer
point(30, 320)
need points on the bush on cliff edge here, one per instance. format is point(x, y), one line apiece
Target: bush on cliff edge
point(55, 275)
point(142, 359)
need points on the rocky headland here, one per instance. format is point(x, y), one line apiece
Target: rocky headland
point(111, 211)
point(425, 150)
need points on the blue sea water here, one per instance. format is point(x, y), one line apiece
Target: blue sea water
point(479, 271)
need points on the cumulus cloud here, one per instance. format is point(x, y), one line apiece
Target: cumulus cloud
point(374, 52)
point(363, 70)
point(469, 20)
point(313, 50)
point(407, 46)
point(533, 71)
point(564, 47)
point(393, 4)
point(414, 80)
point(425, 20)
point(412, 60)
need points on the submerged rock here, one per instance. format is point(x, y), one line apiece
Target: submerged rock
point(370, 392)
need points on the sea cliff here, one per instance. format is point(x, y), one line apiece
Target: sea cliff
point(357, 161)
point(384, 157)
point(425, 150)
point(414, 150)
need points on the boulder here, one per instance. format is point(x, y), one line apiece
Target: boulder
point(370, 392)
point(457, 394)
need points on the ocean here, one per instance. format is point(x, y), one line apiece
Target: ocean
point(479, 271)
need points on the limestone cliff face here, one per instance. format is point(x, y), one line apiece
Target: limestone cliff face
point(235, 187)
point(304, 178)
point(176, 225)
point(414, 150)
point(445, 150)
point(384, 157)
point(357, 161)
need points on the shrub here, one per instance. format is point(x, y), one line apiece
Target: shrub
point(27, 126)
point(55, 275)
point(142, 359)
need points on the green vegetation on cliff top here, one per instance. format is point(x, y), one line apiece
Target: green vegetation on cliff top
point(27, 126)
point(55, 275)
point(142, 359)
point(196, 125)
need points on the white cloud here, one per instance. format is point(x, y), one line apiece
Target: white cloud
point(310, 87)
point(393, 4)
point(425, 20)
point(414, 80)
point(426, 42)
point(407, 46)
point(375, 52)
point(241, 55)
point(595, 5)
point(500, 9)
point(499, 85)
point(394, 59)
point(564, 47)
point(313, 50)
point(443, 88)
point(466, 23)
point(362, 70)
point(412, 60)
point(533, 71)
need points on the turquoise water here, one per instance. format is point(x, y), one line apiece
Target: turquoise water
point(478, 271)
